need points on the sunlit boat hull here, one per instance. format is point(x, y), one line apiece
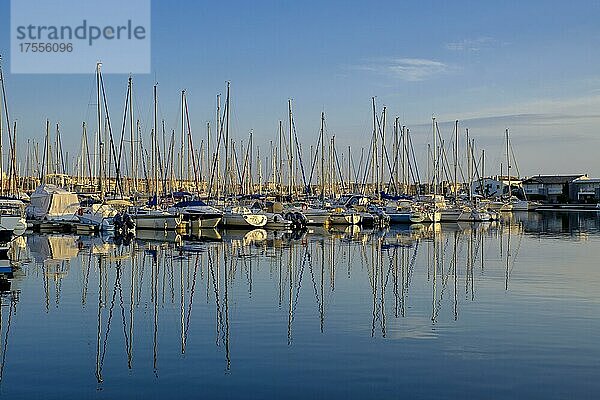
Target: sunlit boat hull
point(408, 217)
point(236, 220)
point(344, 218)
point(157, 220)
point(316, 216)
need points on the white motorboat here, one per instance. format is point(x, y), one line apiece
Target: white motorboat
point(12, 221)
point(315, 216)
point(98, 215)
point(242, 217)
point(340, 216)
point(277, 221)
point(155, 219)
point(198, 214)
point(451, 214)
point(404, 212)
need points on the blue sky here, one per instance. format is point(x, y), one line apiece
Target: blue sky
point(528, 66)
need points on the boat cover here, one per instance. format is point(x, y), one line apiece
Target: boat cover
point(50, 201)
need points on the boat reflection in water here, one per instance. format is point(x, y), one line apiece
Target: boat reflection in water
point(165, 299)
point(161, 273)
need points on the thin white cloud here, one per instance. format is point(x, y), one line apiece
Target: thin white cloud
point(573, 106)
point(406, 69)
point(476, 44)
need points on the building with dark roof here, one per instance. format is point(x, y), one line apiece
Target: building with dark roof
point(551, 188)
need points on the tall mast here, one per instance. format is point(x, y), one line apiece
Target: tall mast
point(280, 174)
point(396, 153)
point(349, 171)
point(46, 154)
point(7, 116)
point(374, 167)
point(383, 121)
point(469, 164)
point(273, 165)
point(208, 155)
point(434, 161)
point(181, 151)
point(100, 144)
point(404, 140)
point(155, 147)
point(14, 177)
point(322, 156)
point(455, 160)
point(131, 134)
point(227, 108)
point(482, 178)
point(291, 155)
point(508, 165)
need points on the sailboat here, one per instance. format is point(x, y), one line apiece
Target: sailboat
point(150, 216)
point(12, 221)
point(516, 203)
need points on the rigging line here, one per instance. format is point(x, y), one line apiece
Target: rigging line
point(127, 98)
point(110, 314)
point(193, 290)
point(221, 134)
point(299, 152)
point(385, 152)
point(337, 161)
point(190, 137)
point(112, 143)
point(314, 160)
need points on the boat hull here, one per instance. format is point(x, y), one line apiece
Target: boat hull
point(160, 222)
point(234, 220)
point(344, 219)
point(204, 222)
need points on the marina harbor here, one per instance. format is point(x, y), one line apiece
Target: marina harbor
point(299, 200)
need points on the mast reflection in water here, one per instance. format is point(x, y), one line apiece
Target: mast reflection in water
point(323, 313)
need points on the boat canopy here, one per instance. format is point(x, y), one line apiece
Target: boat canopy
point(387, 196)
point(189, 203)
point(51, 201)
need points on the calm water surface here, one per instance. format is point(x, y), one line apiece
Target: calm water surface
point(496, 310)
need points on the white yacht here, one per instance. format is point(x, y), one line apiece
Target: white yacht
point(278, 221)
point(242, 217)
point(315, 216)
point(12, 221)
point(155, 219)
point(198, 214)
point(340, 216)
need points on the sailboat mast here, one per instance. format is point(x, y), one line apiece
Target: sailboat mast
point(181, 151)
point(322, 156)
point(280, 172)
point(374, 179)
point(99, 116)
point(131, 134)
point(291, 155)
point(455, 160)
point(396, 153)
point(381, 178)
point(508, 165)
point(227, 108)
point(434, 160)
point(218, 132)
point(155, 147)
